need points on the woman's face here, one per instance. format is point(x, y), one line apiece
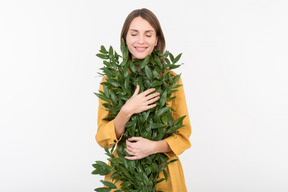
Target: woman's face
point(141, 38)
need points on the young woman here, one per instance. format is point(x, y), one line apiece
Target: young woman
point(142, 34)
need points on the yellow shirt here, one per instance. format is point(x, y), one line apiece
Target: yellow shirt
point(178, 142)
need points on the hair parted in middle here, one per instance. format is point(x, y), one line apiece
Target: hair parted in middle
point(152, 20)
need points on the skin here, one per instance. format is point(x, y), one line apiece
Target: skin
point(141, 40)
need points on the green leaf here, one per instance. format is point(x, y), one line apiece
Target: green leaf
point(102, 97)
point(159, 63)
point(108, 64)
point(173, 66)
point(103, 166)
point(113, 97)
point(123, 63)
point(176, 86)
point(170, 119)
point(174, 128)
point(126, 184)
point(167, 61)
point(102, 56)
point(148, 73)
point(125, 72)
point(145, 62)
point(116, 55)
point(126, 83)
point(103, 50)
point(156, 73)
point(102, 189)
point(132, 67)
point(171, 98)
point(123, 45)
point(162, 111)
point(130, 123)
point(165, 174)
point(106, 105)
point(126, 172)
point(158, 181)
point(115, 84)
point(180, 120)
point(106, 91)
point(171, 57)
point(101, 169)
point(177, 58)
point(109, 184)
point(111, 52)
point(166, 53)
point(157, 125)
point(126, 53)
point(145, 115)
point(176, 78)
point(164, 119)
point(152, 61)
point(163, 99)
point(156, 83)
point(148, 170)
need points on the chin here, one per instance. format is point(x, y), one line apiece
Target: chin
point(140, 56)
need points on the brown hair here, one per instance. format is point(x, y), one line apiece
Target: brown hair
point(153, 21)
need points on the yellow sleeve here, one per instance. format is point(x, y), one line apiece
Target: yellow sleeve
point(179, 142)
point(105, 136)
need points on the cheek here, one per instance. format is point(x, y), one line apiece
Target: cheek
point(153, 41)
point(130, 40)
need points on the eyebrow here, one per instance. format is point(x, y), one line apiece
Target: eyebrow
point(137, 30)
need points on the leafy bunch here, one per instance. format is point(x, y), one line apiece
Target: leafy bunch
point(154, 124)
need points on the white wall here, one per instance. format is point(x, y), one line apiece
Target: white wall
point(235, 78)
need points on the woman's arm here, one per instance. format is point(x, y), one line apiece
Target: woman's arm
point(140, 147)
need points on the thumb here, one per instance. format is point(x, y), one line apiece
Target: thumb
point(136, 91)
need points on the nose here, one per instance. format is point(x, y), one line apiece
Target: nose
point(141, 39)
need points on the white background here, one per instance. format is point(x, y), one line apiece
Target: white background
point(234, 74)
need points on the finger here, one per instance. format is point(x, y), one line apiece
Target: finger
point(151, 96)
point(134, 139)
point(128, 144)
point(136, 91)
point(133, 157)
point(129, 152)
point(153, 100)
point(150, 106)
point(148, 91)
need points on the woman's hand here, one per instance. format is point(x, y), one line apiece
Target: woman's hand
point(140, 102)
point(136, 104)
point(139, 147)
